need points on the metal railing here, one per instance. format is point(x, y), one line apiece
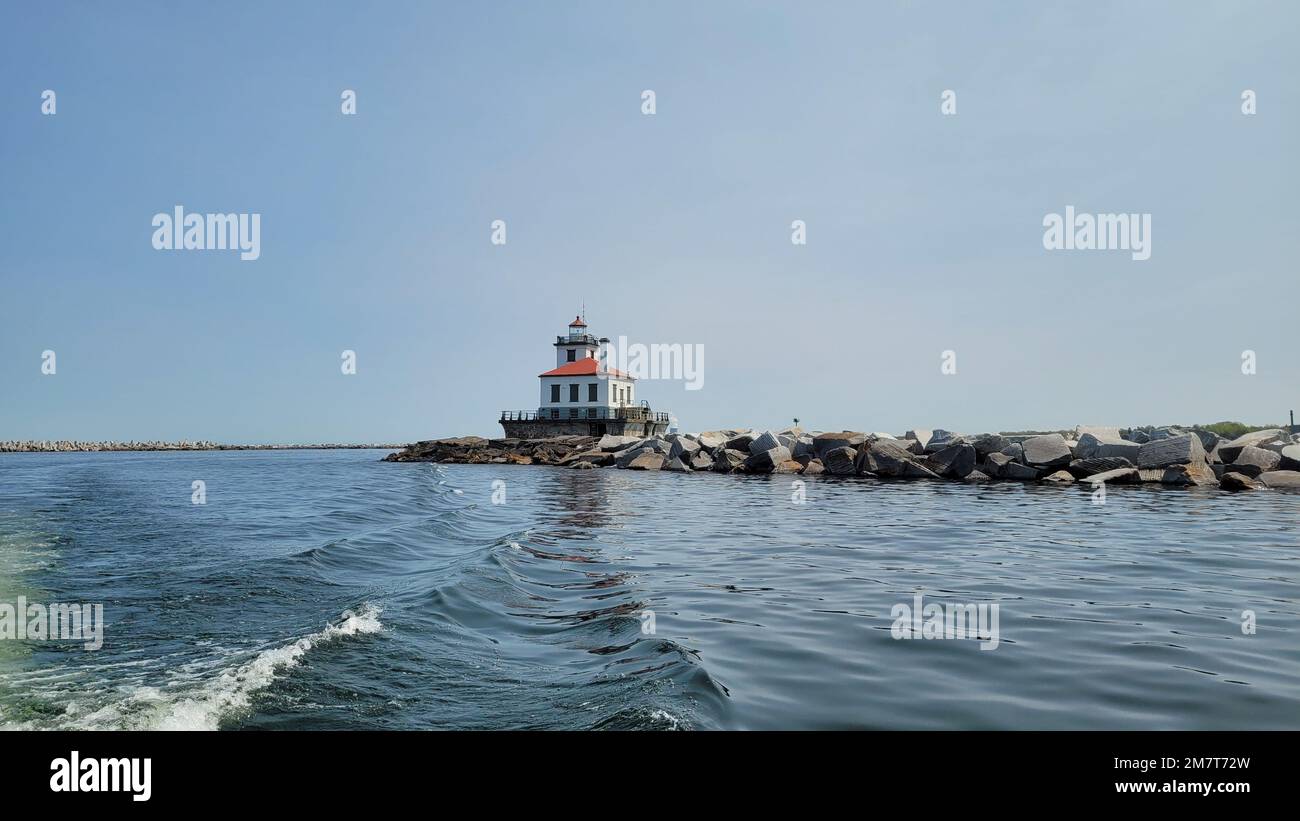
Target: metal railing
point(627, 414)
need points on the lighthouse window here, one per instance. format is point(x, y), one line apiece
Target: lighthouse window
point(572, 355)
point(573, 393)
point(555, 393)
point(591, 393)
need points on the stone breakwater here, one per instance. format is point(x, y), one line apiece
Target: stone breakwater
point(1088, 455)
point(74, 446)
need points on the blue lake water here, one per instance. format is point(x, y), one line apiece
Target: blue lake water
point(327, 589)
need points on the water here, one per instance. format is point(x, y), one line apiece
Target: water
point(326, 589)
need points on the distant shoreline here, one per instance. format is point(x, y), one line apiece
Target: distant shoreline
point(139, 447)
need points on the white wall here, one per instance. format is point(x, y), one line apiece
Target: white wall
point(605, 395)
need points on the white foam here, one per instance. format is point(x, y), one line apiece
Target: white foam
point(229, 693)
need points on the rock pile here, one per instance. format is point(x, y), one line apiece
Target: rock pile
point(1093, 456)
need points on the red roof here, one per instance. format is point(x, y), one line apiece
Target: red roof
point(577, 323)
point(583, 367)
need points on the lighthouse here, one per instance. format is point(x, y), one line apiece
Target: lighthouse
point(583, 396)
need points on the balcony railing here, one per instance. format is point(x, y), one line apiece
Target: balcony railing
point(577, 339)
point(628, 414)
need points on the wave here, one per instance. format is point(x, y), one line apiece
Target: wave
point(227, 694)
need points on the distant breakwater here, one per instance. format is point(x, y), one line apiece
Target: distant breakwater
point(75, 446)
point(1090, 455)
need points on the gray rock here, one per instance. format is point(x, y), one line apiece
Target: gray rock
point(1017, 471)
point(764, 442)
point(740, 442)
point(581, 465)
point(1119, 476)
point(824, 442)
point(1139, 436)
point(1173, 450)
point(1016, 451)
point(1060, 477)
point(887, 457)
point(766, 461)
point(840, 461)
point(728, 460)
point(954, 461)
point(650, 460)
point(1083, 468)
point(813, 468)
point(987, 443)
point(711, 440)
point(1091, 446)
point(1194, 473)
point(1236, 481)
point(1229, 451)
point(1047, 451)
point(976, 476)
point(683, 448)
point(677, 466)
point(1281, 478)
point(625, 458)
point(1209, 439)
point(1262, 460)
point(609, 442)
point(993, 464)
point(1290, 458)
point(701, 460)
point(803, 446)
point(941, 439)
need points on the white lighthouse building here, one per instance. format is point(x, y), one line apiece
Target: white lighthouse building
point(582, 395)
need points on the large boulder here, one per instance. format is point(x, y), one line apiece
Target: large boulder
point(1281, 478)
point(764, 442)
point(649, 460)
point(1018, 472)
point(813, 468)
point(1046, 451)
point(1083, 468)
point(676, 465)
point(766, 461)
point(711, 440)
point(1016, 451)
point(840, 461)
point(993, 464)
point(610, 443)
point(1172, 450)
point(1232, 480)
point(1290, 458)
point(728, 460)
point(1060, 477)
point(1108, 432)
point(1193, 473)
point(941, 439)
point(954, 461)
point(1258, 458)
point(824, 442)
point(740, 442)
point(701, 460)
point(625, 458)
point(1092, 446)
point(987, 443)
point(887, 457)
point(1209, 439)
point(682, 448)
point(1229, 451)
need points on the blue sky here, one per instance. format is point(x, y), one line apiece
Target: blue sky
point(924, 231)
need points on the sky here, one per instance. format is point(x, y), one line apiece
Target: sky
point(924, 230)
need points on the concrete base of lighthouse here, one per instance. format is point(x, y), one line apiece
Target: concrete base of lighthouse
point(534, 428)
